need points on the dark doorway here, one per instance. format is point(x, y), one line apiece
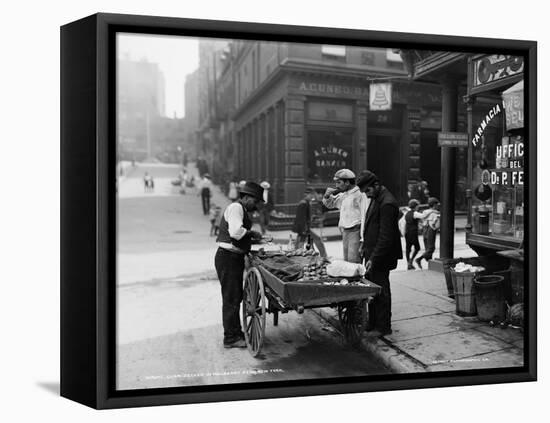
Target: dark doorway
point(430, 161)
point(383, 158)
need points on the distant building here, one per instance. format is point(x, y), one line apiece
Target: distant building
point(292, 114)
point(210, 68)
point(191, 101)
point(304, 111)
point(140, 103)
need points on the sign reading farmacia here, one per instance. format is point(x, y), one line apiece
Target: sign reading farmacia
point(481, 128)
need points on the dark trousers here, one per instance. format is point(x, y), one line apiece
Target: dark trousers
point(316, 239)
point(205, 197)
point(380, 309)
point(429, 243)
point(411, 240)
point(230, 268)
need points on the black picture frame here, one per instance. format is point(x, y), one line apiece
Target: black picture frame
point(88, 226)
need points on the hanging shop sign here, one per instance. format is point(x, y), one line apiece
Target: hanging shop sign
point(380, 96)
point(512, 100)
point(495, 110)
point(452, 139)
point(489, 72)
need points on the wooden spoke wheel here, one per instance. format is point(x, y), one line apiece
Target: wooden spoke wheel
point(254, 311)
point(353, 320)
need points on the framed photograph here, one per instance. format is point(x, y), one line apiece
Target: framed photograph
point(258, 211)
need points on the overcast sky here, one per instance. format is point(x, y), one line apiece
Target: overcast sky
point(176, 56)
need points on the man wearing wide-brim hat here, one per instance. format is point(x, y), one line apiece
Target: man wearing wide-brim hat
point(352, 205)
point(381, 245)
point(234, 241)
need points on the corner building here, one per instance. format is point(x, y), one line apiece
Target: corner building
point(302, 112)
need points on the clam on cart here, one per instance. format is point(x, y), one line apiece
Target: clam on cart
point(265, 291)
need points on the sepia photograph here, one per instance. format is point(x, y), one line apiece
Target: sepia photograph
point(303, 212)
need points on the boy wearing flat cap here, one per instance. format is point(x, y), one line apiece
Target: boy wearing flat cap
point(234, 241)
point(381, 245)
point(430, 224)
point(352, 205)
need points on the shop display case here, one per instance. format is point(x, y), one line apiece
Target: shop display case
point(507, 211)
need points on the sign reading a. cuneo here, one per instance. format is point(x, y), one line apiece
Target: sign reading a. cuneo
point(452, 139)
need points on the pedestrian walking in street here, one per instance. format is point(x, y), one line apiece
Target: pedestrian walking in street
point(352, 205)
point(234, 240)
point(214, 215)
point(183, 178)
point(148, 183)
point(302, 224)
point(205, 186)
point(412, 220)
point(202, 166)
point(266, 207)
point(184, 160)
point(430, 224)
point(381, 247)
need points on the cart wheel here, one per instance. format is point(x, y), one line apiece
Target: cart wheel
point(254, 311)
point(353, 319)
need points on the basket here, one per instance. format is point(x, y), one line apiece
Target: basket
point(464, 292)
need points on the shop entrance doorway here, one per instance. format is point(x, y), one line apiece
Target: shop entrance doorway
point(384, 159)
point(430, 162)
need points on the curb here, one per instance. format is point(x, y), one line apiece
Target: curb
point(382, 349)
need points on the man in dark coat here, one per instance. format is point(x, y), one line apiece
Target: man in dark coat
point(381, 246)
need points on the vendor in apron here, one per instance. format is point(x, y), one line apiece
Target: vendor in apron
point(234, 241)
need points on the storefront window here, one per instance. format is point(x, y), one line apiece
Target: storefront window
point(507, 182)
point(328, 151)
point(498, 178)
point(488, 126)
point(335, 112)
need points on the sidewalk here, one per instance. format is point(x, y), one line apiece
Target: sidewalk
point(428, 336)
point(332, 233)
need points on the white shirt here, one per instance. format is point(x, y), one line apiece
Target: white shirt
point(205, 183)
point(234, 216)
point(353, 205)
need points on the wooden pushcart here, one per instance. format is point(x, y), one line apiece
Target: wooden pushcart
point(265, 293)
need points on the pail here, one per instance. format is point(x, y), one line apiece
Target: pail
point(483, 222)
point(490, 298)
point(464, 292)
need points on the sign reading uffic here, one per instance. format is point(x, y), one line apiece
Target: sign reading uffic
point(513, 173)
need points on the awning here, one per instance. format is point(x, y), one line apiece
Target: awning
point(512, 100)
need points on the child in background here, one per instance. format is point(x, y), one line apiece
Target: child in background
point(212, 218)
point(431, 222)
point(412, 219)
point(217, 219)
